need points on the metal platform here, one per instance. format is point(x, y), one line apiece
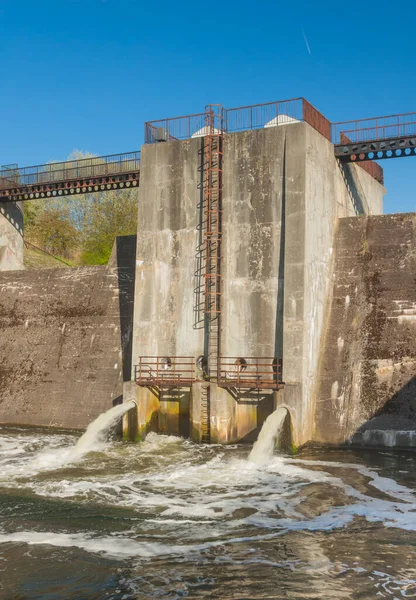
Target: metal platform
point(164, 371)
point(260, 373)
point(263, 373)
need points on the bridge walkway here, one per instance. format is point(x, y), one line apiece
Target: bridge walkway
point(98, 173)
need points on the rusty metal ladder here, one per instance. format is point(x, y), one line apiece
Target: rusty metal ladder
point(213, 154)
point(213, 231)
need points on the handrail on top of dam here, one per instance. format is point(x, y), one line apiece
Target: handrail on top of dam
point(242, 118)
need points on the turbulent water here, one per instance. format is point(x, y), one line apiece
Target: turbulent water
point(170, 519)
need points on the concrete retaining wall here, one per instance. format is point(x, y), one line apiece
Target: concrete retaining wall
point(368, 365)
point(63, 342)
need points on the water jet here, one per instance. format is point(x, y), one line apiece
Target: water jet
point(270, 436)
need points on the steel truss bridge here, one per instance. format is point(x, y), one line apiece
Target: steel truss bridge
point(362, 142)
point(97, 174)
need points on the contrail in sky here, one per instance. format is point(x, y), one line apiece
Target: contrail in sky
point(306, 41)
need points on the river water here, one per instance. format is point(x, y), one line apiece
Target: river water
point(171, 519)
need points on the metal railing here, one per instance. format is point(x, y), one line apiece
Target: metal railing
point(242, 118)
point(273, 114)
point(259, 116)
point(374, 129)
point(250, 373)
point(165, 371)
point(97, 166)
point(176, 128)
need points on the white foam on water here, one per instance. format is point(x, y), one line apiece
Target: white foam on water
point(264, 447)
point(109, 546)
point(383, 484)
point(213, 492)
point(55, 451)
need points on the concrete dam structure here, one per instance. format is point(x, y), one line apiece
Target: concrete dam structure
point(263, 275)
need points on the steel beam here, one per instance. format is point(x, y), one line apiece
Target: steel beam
point(85, 185)
point(376, 149)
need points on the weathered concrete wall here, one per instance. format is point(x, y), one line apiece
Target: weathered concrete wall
point(283, 192)
point(368, 365)
point(11, 236)
point(167, 240)
point(366, 192)
point(252, 260)
point(62, 339)
point(316, 196)
point(253, 169)
point(166, 317)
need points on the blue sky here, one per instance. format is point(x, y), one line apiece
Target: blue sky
point(86, 74)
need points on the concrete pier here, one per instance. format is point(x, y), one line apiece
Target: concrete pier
point(283, 192)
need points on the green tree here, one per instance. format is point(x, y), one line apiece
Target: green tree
point(81, 227)
point(55, 233)
point(109, 214)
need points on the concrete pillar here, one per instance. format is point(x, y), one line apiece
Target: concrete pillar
point(165, 317)
point(198, 390)
point(11, 236)
point(138, 423)
point(282, 195)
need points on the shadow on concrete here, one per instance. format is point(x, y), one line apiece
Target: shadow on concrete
point(126, 271)
point(354, 188)
point(174, 422)
point(264, 408)
point(117, 401)
point(278, 343)
point(249, 397)
point(401, 407)
point(199, 300)
point(13, 212)
point(397, 415)
point(403, 401)
point(118, 428)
